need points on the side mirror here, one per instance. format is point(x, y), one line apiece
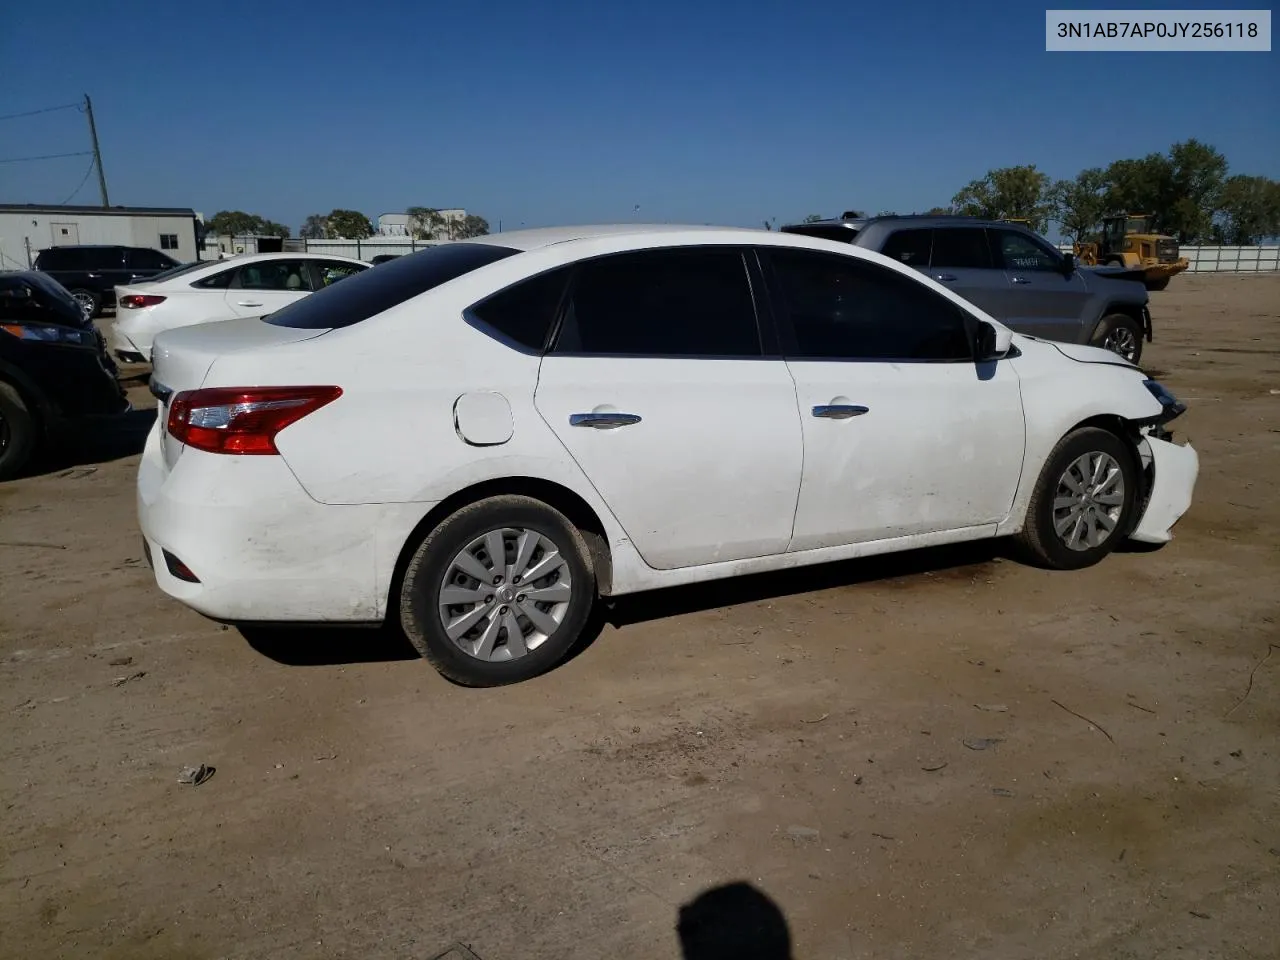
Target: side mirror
point(991, 343)
point(1068, 264)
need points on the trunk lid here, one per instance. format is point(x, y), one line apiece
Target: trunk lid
point(181, 359)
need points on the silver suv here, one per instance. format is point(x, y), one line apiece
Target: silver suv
point(1013, 274)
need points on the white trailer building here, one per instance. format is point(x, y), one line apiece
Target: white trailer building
point(26, 229)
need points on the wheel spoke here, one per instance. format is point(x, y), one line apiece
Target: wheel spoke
point(558, 592)
point(458, 626)
point(525, 547)
point(484, 649)
point(1065, 522)
point(1109, 499)
point(1065, 503)
point(1104, 520)
point(540, 619)
point(550, 562)
point(455, 595)
point(471, 566)
point(1079, 530)
point(515, 638)
point(1070, 482)
point(496, 547)
point(1097, 467)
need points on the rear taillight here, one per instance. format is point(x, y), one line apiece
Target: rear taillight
point(135, 300)
point(242, 420)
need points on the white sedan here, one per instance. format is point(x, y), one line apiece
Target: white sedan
point(245, 286)
point(478, 440)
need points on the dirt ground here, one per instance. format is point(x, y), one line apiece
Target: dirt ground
point(944, 754)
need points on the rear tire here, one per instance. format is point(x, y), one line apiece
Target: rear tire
point(1084, 500)
point(17, 433)
point(1121, 334)
point(90, 302)
point(513, 617)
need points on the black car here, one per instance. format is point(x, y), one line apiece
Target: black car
point(92, 273)
point(54, 368)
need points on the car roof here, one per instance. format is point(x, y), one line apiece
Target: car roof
point(546, 236)
point(915, 219)
point(262, 257)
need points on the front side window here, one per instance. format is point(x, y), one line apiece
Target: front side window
point(842, 308)
point(1021, 252)
point(961, 248)
point(662, 303)
point(286, 276)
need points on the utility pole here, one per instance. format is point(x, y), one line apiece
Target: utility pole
point(97, 154)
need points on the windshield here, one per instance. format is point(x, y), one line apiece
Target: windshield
point(371, 292)
point(1136, 225)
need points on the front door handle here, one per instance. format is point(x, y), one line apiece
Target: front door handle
point(1021, 280)
point(945, 277)
point(602, 421)
point(249, 303)
point(839, 411)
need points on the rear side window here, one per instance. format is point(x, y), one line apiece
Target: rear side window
point(369, 293)
point(149, 260)
point(662, 303)
point(523, 313)
point(962, 248)
point(218, 281)
point(909, 246)
point(56, 259)
point(284, 276)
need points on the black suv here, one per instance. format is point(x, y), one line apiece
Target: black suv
point(1012, 273)
point(54, 368)
point(91, 273)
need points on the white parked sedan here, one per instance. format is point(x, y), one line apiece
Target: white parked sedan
point(480, 439)
point(246, 286)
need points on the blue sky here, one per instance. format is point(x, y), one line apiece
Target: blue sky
point(573, 112)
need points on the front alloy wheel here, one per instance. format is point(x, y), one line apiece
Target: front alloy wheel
point(1090, 496)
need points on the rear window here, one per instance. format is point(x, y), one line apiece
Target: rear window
point(373, 291)
point(178, 271)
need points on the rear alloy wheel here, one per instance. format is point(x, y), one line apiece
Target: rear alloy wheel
point(17, 433)
point(1083, 502)
point(499, 592)
point(89, 302)
point(1121, 334)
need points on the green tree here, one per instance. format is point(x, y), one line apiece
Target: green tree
point(269, 228)
point(349, 225)
point(938, 212)
point(1079, 205)
point(1006, 193)
point(314, 228)
point(887, 213)
point(425, 223)
point(1250, 210)
point(234, 222)
point(1180, 191)
point(813, 218)
point(471, 226)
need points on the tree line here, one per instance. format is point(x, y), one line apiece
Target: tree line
point(425, 223)
point(1186, 192)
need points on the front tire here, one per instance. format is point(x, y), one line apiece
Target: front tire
point(1083, 503)
point(499, 592)
point(90, 302)
point(17, 433)
point(1121, 334)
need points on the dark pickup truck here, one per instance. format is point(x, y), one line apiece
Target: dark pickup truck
point(91, 273)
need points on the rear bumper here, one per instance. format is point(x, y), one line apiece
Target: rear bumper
point(1175, 469)
point(131, 340)
point(262, 549)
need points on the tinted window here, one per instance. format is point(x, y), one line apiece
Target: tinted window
point(523, 313)
point(662, 303)
point(179, 270)
point(842, 308)
point(149, 260)
point(287, 276)
point(374, 291)
point(963, 248)
point(909, 246)
point(218, 281)
point(1021, 252)
point(823, 231)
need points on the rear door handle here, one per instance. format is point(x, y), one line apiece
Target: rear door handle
point(839, 411)
point(945, 277)
point(602, 421)
point(1021, 280)
point(249, 303)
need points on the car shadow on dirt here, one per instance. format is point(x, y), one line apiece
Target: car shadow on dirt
point(94, 442)
point(336, 645)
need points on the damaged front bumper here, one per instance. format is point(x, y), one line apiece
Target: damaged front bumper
point(1171, 470)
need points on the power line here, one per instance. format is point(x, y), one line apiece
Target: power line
point(32, 113)
point(82, 183)
point(47, 156)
